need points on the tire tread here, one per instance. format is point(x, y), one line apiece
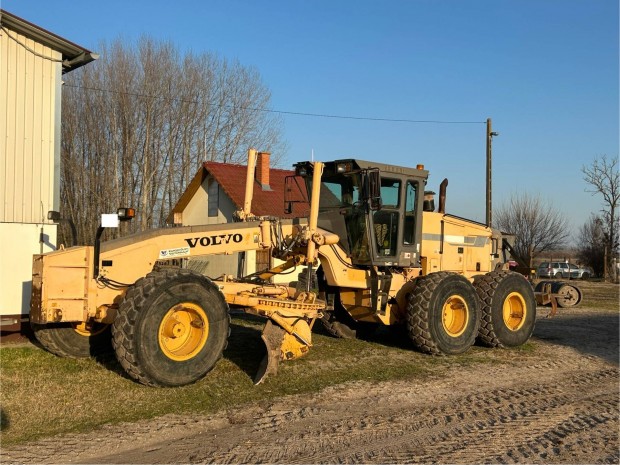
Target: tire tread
point(123, 329)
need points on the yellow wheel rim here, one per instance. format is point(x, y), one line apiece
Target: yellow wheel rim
point(89, 329)
point(514, 311)
point(455, 316)
point(183, 331)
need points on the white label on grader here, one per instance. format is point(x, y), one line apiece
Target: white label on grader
point(173, 253)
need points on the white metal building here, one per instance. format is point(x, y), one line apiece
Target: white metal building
point(32, 62)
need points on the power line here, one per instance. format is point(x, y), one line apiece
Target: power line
point(368, 118)
point(282, 112)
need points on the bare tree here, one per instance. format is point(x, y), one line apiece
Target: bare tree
point(591, 244)
point(603, 177)
point(138, 122)
point(536, 224)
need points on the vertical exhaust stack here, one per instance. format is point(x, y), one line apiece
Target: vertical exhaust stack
point(314, 211)
point(442, 196)
point(249, 184)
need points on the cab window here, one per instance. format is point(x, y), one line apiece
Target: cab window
point(386, 219)
point(411, 194)
point(390, 192)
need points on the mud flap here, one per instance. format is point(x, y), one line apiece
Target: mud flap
point(273, 336)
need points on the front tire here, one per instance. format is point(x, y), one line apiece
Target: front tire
point(508, 309)
point(171, 328)
point(443, 314)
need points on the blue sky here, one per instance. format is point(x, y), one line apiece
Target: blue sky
point(545, 71)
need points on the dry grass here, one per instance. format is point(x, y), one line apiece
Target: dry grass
point(599, 295)
point(43, 395)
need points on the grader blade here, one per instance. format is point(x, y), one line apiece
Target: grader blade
point(273, 336)
point(284, 341)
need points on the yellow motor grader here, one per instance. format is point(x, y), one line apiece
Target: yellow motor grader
point(384, 254)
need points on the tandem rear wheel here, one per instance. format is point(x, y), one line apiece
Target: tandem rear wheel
point(171, 328)
point(443, 314)
point(508, 309)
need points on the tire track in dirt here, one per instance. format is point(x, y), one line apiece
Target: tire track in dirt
point(444, 431)
point(520, 418)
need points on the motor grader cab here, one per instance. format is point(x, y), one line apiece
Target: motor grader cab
point(374, 210)
point(382, 258)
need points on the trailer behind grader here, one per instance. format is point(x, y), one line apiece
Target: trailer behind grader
point(385, 256)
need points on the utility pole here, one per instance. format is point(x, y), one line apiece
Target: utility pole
point(490, 135)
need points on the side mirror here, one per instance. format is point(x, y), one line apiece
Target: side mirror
point(109, 220)
point(294, 192)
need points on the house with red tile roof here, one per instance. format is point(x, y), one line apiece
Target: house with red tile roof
point(217, 191)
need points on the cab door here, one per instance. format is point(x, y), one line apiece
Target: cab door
point(385, 223)
point(395, 228)
point(412, 223)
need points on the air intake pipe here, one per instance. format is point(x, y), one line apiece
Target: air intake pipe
point(442, 196)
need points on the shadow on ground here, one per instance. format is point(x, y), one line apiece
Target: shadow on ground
point(4, 420)
point(245, 346)
point(594, 334)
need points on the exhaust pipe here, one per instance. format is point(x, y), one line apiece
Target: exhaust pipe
point(249, 183)
point(442, 196)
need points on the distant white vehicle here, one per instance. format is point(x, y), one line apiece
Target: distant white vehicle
point(580, 272)
point(554, 270)
point(563, 270)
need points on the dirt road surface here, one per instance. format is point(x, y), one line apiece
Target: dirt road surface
point(559, 404)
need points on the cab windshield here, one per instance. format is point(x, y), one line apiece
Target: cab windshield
point(339, 191)
point(343, 212)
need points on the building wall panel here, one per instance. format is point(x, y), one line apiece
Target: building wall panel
point(18, 244)
point(3, 123)
point(30, 135)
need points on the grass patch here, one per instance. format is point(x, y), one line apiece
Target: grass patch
point(596, 294)
point(43, 395)
point(600, 295)
point(527, 348)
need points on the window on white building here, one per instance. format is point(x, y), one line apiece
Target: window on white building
point(213, 193)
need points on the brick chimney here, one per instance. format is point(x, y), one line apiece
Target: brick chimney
point(262, 170)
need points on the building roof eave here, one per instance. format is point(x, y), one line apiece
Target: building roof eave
point(73, 55)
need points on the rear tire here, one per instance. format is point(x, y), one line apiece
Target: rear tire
point(443, 314)
point(171, 328)
point(73, 340)
point(508, 309)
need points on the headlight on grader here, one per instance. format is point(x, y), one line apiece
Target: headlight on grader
point(126, 214)
point(344, 167)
